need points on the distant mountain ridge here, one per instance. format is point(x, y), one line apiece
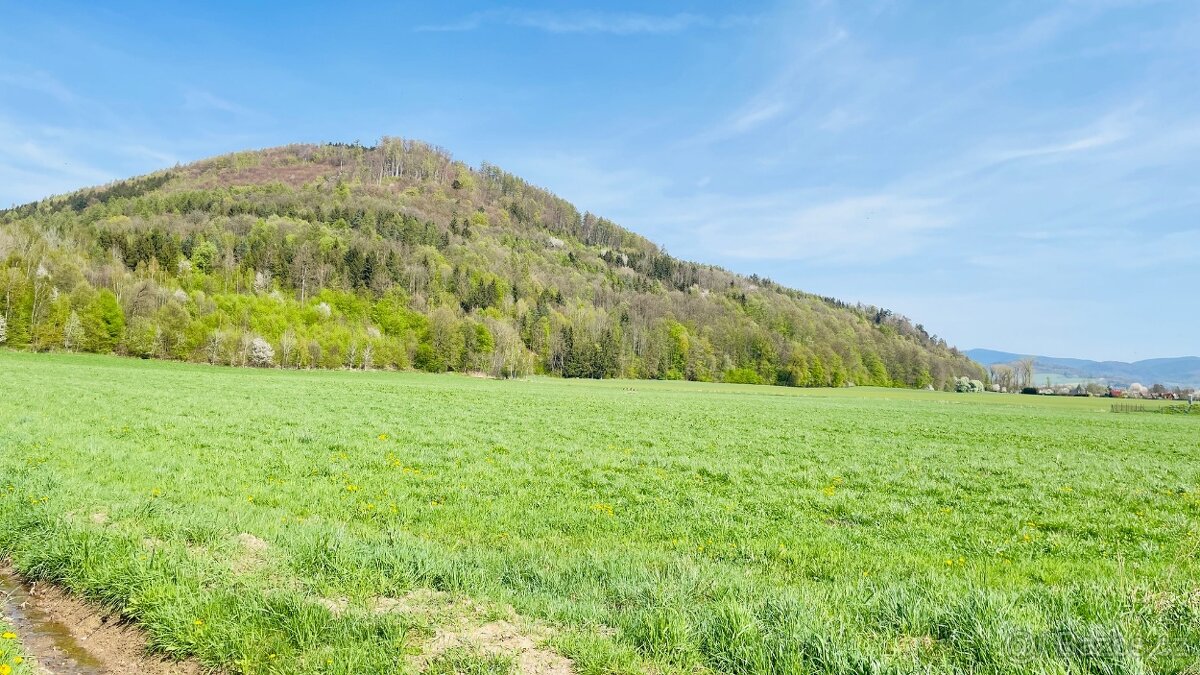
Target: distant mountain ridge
point(1181, 371)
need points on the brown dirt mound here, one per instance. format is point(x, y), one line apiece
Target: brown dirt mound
point(252, 554)
point(504, 638)
point(463, 623)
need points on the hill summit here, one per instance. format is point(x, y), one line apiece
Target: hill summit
point(398, 256)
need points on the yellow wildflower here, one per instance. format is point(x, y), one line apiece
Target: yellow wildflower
point(9, 636)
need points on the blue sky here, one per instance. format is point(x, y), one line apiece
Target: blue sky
point(1017, 175)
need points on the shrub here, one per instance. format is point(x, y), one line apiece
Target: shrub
point(262, 355)
point(967, 385)
point(742, 376)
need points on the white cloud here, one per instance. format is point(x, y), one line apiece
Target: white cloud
point(756, 115)
point(38, 160)
point(1091, 141)
point(201, 100)
point(857, 229)
point(38, 81)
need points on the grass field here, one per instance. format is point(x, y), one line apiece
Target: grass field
point(348, 522)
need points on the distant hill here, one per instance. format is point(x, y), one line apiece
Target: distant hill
point(398, 256)
point(1183, 371)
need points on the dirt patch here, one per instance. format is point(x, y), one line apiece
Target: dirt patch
point(251, 543)
point(63, 635)
point(426, 602)
point(461, 623)
point(914, 644)
point(252, 554)
point(336, 606)
point(506, 639)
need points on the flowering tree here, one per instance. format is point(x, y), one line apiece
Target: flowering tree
point(262, 355)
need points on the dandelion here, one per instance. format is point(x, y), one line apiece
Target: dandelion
point(5, 669)
point(9, 636)
point(198, 622)
point(383, 437)
point(352, 488)
point(19, 660)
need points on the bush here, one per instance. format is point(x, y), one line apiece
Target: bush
point(742, 376)
point(967, 385)
point(262, 355)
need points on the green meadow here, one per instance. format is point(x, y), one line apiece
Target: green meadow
point(273, 521)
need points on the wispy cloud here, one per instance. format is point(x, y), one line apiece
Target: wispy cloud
point(1090, 141)
point(34, 163)
point(202, 100)
point(616, 23)
point(800, 87)
point(857, 229)
point(37, 81)
point(757, 114)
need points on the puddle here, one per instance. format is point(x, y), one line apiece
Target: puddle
point(48, 641)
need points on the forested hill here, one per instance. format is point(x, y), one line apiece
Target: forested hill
point(398, 256)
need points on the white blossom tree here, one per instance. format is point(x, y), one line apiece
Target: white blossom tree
point(261, 354)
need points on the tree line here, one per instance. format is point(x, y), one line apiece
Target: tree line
point(397, 256)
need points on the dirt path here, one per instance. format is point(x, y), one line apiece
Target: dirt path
point(64, 635)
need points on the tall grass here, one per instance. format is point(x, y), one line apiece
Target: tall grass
point(649, 527)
